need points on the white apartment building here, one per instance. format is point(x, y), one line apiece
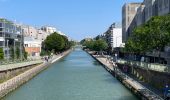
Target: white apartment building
point(49, 29)
point(113, 36)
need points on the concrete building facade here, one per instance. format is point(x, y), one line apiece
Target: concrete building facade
point(163, 6)
point(149, 9)
point(128, 13)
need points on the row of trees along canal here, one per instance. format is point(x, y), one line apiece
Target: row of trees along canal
point(153, 35)
point(98, 45)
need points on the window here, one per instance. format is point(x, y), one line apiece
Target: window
point(1, 29)
point(0, 24)
point(1, 34)
point(26, 45)
point(1, 43)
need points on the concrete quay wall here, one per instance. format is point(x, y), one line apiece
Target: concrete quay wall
point(157, 79)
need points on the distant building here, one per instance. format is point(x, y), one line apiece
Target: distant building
point(49, 29)
point(32, 46)
point(11, 38)
point(113, 36)
point(30, 31)
point(88, 39)
point(42, 35)
point(128, 13)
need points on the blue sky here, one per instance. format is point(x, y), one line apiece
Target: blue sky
point(76, 18)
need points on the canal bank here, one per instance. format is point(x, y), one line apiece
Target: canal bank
point(138, 89)
point(75, 77)
point(22, 78)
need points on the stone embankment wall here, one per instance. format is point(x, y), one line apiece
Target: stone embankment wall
point(13, 83)
point(16, 81)
point(154, 78)
point(7, 74)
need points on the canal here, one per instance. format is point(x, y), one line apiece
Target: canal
point(76, 77)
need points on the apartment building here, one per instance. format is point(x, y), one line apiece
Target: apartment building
point(11, 38)
point(113, 36)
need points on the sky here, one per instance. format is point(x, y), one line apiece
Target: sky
point(78, 19)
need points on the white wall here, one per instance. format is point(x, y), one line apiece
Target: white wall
point(117, 37)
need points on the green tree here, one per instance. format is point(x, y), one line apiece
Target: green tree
point(17, 52)
point(155, 34)
point(54, 42)
point(1, 54)
point(12, 52)
point(89, 44)
point(100, 45)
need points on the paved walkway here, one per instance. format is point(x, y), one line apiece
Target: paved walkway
point(19, 65)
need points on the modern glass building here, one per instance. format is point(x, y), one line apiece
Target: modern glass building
point(11, 39)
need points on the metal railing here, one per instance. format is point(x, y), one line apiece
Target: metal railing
point(148, 66)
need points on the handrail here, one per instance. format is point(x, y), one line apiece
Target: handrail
point(150, 66)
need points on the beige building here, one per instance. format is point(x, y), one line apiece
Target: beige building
point(129, 11)
point(30, 31)
point(42, 35)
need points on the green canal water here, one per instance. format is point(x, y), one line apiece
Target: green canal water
point(76, 77)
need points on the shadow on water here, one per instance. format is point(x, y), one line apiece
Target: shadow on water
point(96, 63)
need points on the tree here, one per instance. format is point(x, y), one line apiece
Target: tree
point(17, 52)
point(100, 45)
point(155, 34)
point(1, 54)
point(54, 42)
point(12, 52)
